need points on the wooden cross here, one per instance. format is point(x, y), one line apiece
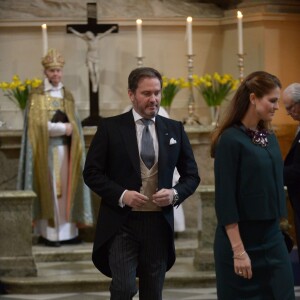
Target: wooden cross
point(81, 30)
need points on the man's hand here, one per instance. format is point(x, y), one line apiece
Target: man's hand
point(134, 199)
point(163, 197)
point(69, 129)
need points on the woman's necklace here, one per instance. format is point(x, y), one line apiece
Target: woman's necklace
point(259, 137)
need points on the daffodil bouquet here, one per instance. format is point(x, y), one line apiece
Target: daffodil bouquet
point(215, 88)
point(171, 86)
point(18, 90)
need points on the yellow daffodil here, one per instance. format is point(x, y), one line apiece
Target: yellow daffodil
point(215, 88)
point(171, 86)
point(18, 90)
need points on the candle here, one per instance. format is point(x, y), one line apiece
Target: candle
point(240, 32)
point(189, 35)
point(139, 37)
point(45, 39)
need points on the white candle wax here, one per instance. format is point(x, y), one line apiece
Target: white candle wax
point(240, 32)
point(139, 37)
point(45, 39)
point(189, 35)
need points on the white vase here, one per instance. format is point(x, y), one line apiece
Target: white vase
point(215, 114)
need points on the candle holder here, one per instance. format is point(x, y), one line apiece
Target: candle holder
point(140, 61)
point(2, 125)
point(192, 119)
point(241, 65)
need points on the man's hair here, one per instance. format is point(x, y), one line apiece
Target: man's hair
point(137, 74)
point(293, 90)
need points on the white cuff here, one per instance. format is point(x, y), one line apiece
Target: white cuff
point(121, 203)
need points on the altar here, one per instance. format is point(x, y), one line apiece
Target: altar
point(199, 136)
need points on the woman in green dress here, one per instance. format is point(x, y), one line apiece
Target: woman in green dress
point(251, 258)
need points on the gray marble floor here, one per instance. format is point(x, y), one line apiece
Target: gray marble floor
point(169, 294)
point(54, 272)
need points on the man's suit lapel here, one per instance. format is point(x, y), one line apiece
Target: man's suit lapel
point(128, 131)
point(163, 142)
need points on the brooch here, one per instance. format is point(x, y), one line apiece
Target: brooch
point(258, 137)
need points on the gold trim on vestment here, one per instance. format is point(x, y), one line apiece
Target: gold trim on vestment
point(38, 117)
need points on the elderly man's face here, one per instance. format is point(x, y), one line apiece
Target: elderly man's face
point(54, 75)
point(292, 108)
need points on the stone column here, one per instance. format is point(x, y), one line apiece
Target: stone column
point(204, 260)
point(16, 257)
point(199, 137)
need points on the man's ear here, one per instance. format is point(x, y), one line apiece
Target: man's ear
point(131, 95)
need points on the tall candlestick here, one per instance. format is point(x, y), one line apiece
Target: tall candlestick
point(45, 39)
point(240, 32)
point(189, 35)
point(139, 37)
point(192, 119)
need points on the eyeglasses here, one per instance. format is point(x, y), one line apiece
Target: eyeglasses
point(289, 108)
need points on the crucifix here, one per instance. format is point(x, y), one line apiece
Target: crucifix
point(89, 33)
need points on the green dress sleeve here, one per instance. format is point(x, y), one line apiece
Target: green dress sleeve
point(226, 169)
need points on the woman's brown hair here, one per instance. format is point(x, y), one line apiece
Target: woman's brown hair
point(260, 83)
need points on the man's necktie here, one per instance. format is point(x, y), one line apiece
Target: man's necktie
point(147, 148)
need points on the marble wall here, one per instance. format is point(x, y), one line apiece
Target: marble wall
point(270, 41)
point(57, 9)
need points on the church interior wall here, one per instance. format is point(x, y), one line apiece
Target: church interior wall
point(282, 48)
point(270, 43)
point(164, 48)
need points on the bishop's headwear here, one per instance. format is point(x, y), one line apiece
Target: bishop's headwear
point(53, 59)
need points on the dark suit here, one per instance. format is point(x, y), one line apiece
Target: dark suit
point(113, 165)
point(291, 174)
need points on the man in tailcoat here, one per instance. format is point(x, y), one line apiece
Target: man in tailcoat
point(135, 229)
point(291, 101)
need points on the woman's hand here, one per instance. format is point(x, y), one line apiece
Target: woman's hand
point(242, 264)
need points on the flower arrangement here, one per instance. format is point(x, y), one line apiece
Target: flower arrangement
point(215, 88)
point(171, 86)
point(18, 90)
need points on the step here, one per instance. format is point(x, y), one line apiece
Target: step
point(83, 252)
point(81, 276)
point(69, 269)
